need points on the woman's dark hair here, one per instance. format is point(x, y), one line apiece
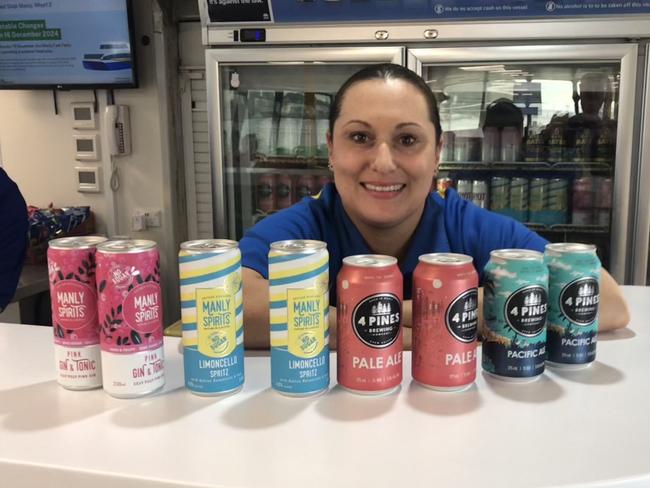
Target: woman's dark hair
point(387, 71)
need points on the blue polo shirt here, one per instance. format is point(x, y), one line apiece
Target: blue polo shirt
point(449, 224)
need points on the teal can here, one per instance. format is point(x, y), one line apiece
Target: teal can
point(515, 306)
point(574, 296)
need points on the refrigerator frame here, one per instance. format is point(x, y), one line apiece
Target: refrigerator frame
point(261, 55)
point(625, 53)
point(638, 269)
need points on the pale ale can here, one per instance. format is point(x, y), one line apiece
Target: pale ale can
point(299, 312)
point(75, 323)
point(212, 316)
point(131, 316)
point(515, 306)
point(445, 321)
point(574, 296)
point(369, 316)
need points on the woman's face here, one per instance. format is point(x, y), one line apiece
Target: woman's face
point(384, 153)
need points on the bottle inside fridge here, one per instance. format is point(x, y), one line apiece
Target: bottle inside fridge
point(541, 137)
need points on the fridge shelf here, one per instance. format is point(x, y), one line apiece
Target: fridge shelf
point(279, 171)
point(568, 228)
point(283, 162)
point(568, 167)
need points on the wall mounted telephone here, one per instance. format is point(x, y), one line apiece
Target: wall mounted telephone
point(118, 128)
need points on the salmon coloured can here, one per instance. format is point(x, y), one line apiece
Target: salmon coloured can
point(515, 307)
point(574, 297)
point(73, 293)
point(299, 313)
point(369, 316)
point(130, 313)
point(445, 321)
point(212, 316)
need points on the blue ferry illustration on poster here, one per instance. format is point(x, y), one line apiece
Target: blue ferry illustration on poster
point(112, 56)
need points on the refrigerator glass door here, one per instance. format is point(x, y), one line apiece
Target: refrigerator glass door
point(268, 124)
point(540, 133)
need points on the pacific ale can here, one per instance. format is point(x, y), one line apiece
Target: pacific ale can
point(73, 293)
point(130, 313)
point(299, 312)
point(574, 295)
point(538, 201)
point(369, 316)
point(445, 321)
point(519, 199)
point(212, 316)
point(500, 195)
point(515, 306)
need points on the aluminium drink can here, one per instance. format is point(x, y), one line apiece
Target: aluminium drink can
point(445, 321)
point(515, 304)
point(500, 194)
point(299, 313)
point(538, 200)
point(480, 193)
point(73, 293)
point(464, 189)
point(444, 182)
point(369, 334)
point(519, 199)
point(558, 197)
point(283, 191)
point(212, 316)
point(265, 193)
point(574, 295)
point(130, 313)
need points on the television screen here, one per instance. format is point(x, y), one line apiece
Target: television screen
point(66, 44)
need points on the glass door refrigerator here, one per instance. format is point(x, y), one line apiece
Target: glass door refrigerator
point(268, 116)
point(541, 133)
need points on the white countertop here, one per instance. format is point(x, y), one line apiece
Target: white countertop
point(588, 428)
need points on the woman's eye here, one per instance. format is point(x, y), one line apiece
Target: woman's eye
point(359, 137)
point(407, 140)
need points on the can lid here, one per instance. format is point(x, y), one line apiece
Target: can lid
point(517, 255)
point(200, 246)
point(81, 242)
point(126, 246)
point(446, 259)
point(370, 260)
point(297, 246)
point(557, 248)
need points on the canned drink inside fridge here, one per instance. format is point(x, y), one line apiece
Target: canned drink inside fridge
point(583, 150)
point(558, 196)
point(443, 183)
point(510, 144)
point(605, 150)
point(265, 193)
point(130, 310)
point(305, 186)
point(212, 316)
point(464, 189)
point(519, 199)
point(535, 147)
point(490, 149)
point(556, 144)
point(515, 304)
point(299, 311)
point(283, 191)
point(445, 321)
point(480, 193)
point(583, 201)
point(538, 200)
point(75, 323)
point(574, 296)
point(500, 194)
point(369, 332)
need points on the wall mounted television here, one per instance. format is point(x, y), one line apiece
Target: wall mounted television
point(66, 44)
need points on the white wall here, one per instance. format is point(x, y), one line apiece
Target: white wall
point(38, 153)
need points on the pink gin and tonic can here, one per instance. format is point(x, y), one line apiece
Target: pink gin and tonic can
point(445, 321)
point(369, 318)
point(130, 313)
point(71, 269)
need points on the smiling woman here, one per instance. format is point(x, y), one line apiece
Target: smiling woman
point(384, 148)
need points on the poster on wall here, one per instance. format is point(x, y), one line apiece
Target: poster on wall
point(66, 43)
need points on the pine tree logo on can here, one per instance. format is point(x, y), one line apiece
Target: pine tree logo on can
point(462, 316)
point(376, 320)
point(525, 310)
point(579, 301)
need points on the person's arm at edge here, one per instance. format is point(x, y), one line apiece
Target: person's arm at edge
point(256, 310)
point(613, 310)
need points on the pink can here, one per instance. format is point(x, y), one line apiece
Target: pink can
point(71, 269)
point(130, 313)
